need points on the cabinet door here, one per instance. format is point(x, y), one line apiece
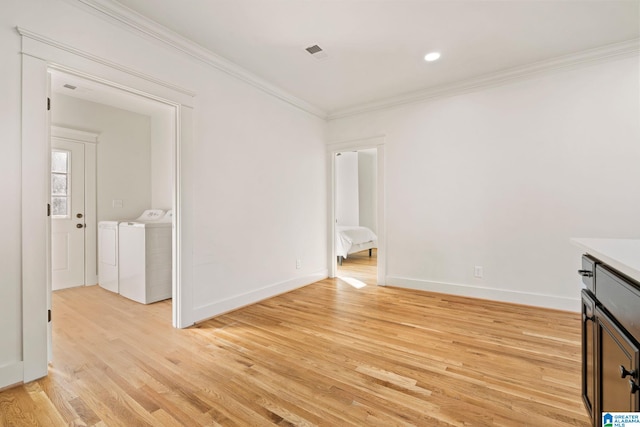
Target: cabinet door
point(589, 354)
point(618, 367)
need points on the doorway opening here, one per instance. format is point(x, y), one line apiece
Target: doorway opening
point(40, 56)
point(112, 158)
point(358, 220)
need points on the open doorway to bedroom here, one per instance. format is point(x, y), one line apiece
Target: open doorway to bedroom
point(356, 216)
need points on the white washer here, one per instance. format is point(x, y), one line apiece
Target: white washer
point(108, 255)
point(145, 245)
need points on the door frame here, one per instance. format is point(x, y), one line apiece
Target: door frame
point(375, 142)
point(39, 55)
point(90, 141)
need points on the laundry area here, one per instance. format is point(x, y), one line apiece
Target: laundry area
point(119, 205)
point(134, 257)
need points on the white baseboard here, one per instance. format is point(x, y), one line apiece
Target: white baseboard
point(233, 303)
point(525, 298)
point(11, 375)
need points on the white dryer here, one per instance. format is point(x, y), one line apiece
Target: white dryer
point(108, 255)
point(145, 246)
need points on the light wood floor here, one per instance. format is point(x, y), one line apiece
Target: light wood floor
point(360, 266)
point(327, 354)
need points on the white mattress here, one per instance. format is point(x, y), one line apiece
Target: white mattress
point(351, 239)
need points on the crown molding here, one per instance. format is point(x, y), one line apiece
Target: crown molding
point(146, 26)
point(133, 20)
point(624, 49)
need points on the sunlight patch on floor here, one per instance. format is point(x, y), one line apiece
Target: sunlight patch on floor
point(353, 282)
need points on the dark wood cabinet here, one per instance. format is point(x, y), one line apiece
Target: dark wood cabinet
point(618, 368)
point(610, 349)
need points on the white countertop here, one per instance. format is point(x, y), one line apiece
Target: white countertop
point(621, 254)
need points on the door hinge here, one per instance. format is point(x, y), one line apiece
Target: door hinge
point(48, 104)
point(48, 209)
point(48, 316)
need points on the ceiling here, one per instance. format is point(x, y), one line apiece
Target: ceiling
point(375, 48)
point(79, 87)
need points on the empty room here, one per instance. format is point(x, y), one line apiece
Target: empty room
point(321, 212)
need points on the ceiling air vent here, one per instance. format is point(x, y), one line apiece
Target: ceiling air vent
point(317, 52)
point(314, 49)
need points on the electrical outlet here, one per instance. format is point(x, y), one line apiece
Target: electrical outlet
point(298, 264)
point(478, 271)
point(117, 203)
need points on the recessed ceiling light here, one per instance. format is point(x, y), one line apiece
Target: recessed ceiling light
point(433, 56)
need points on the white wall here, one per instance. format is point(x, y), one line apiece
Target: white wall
point(347, 199)
point(123, 153)
point(367, 188)
point(504, 177)
point(356, 189)
point(254, 210)
point(162, 169)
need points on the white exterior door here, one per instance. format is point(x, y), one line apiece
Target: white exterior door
point(67, 214)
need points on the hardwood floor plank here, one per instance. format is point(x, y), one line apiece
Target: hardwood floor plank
point(186, 414)
point(83, 412)
point(62, 401)
point(17, 408)
point(328, 354)
point(47, 413)
point(165, 419)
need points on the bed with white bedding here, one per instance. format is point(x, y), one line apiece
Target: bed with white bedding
point(352, 239)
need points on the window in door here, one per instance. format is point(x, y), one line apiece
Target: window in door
point(60, 183)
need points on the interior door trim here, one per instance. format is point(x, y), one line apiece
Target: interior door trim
point(377, 142)
point(37, 59)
